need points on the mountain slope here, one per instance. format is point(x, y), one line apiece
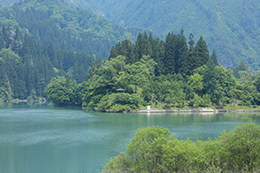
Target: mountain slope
point(7, 2)
point(67, 28)
point(230, 27)
point(43, 39)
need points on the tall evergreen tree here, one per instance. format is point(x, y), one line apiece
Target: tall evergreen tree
point(169, 57)
point(201, 52)
point(5, 36)
point(127, 50)
point(213, 57)
point(191, 42)
point(181, 52)
point(22, 90)
point(113, 53)
point(159, 67)
point(67, 84)
point(138, 49)
point(2, 42)
point(189, 63)
point(209, 79)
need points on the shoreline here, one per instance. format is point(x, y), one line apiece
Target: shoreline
point(23, 101)
point(164, 111)
point(203, 110)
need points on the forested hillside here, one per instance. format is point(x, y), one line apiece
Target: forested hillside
point(7, 2)
point(27, 66)
point(172, 72)
point(45, 39)
point(67, 28)
point(231, 27)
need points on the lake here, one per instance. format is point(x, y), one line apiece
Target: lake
point(43, 138)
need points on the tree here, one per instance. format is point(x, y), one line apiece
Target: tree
point(202, 52)
point(239, 148)
point(226, 82)
point(2, 42)
point(113, 53)
point(105, 80)
point(138, 49)
point(150, 64)
point(135, 74)
point(213, 57)
point(58, 92)
point(169, 56)
point(196, 83)
point(189, 63)
point(181, 53)
point(159, 68)
point(257, 83)
point(191, 42)
point(209, 79)
point(127, 50)
point(67, 84)
point(144, 152)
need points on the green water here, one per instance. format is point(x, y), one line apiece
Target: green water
point(41, 138)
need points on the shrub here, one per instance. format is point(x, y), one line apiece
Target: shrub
point(119, 102)
point(240, 149)
point(153, 149)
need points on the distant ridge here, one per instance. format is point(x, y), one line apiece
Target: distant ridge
point(231, 27)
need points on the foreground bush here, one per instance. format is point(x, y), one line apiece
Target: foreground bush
point(153, 149)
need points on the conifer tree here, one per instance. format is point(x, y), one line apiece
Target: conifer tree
point(127, 50)
point(5, 36)
point(30, 78)
point(169, 57)
point(181, 52)
point(113, 53)
point(202, 52)
point(67, 84)
point(213, 57)
point(22, 90)
point(17, 34)
point(17, 41)
point(209, 79)
point(2, 42)
point(147, 48)
point(189, 63)
point(159, 67)
point(138, 49)
point(191, 42)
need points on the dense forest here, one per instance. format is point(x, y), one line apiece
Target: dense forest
point(27, 66)
point(45, 39)
point(230, 27)
point(68, 28)
point(173, 72)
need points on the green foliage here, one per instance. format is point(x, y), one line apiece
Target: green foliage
point(238, 149)
point(153, 149)
point(27, 66)
point(196, 83)
point(231, 28)
point(119, 102)
point(196, 101)
point(144, 151)
point(67, 28)
point(60, 94)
